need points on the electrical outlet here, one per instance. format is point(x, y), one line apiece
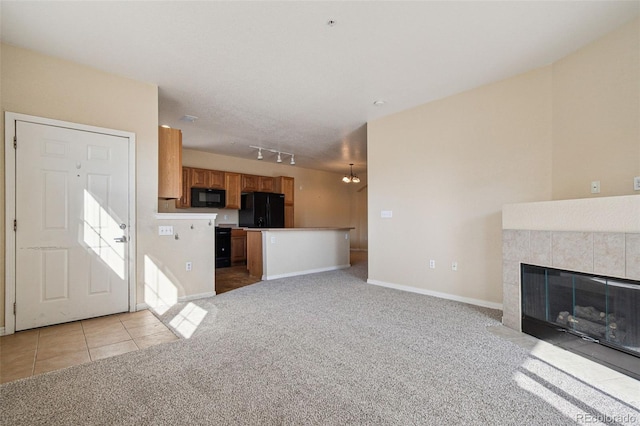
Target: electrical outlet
point(636, 183)
point(454, 266)
point(165, 230)
point(188, 266)
point(432, 264)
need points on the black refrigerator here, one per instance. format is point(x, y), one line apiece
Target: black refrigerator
point(261, 210)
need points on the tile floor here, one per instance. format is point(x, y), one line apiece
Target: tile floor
point(31, 352)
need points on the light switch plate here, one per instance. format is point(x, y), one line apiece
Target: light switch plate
point(386, 214)
point(636, 183)
point(165, 230)
point(595, 187)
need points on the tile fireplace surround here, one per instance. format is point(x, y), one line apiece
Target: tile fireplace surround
point(595, 235)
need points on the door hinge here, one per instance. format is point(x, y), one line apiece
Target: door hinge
point(14, 308)
point(15, 225)
point(15, 142)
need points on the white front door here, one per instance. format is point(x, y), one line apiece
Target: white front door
point(72, 213)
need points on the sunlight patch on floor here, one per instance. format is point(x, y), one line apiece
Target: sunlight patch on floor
point(188, 320)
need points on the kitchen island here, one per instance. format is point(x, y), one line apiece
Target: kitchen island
point(285, 252)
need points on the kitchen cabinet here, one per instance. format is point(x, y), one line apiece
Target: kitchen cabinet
point(254, 254)
point(216, 179)
point(250, 183)
point(238, 247)
point(286, 185)
point(232, 188)
point(169, 163)
point(205, 178)
point(185, 200)
point(266, 184)
point(288, 216)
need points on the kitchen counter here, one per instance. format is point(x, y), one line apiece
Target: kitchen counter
point(300, 229)
point(274, 253)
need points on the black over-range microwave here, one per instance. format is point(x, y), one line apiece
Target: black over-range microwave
point(207, 197)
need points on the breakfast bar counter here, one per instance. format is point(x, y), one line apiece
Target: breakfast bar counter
point(274, 253)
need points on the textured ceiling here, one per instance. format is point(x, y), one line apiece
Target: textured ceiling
point(274, 74)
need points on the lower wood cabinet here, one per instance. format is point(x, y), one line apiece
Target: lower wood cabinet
point(238, 247)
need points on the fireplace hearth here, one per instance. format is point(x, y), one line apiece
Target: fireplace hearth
point(595, 316)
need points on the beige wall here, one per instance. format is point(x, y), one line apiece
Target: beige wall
point(43, 86)
point(596, 116)
point(446, 168)
point(321, 198)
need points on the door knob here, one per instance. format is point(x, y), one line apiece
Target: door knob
point(122, 239)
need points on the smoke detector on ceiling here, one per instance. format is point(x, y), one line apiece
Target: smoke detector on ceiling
point(189, 118)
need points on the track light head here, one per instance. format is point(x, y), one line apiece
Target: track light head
point(275, 151)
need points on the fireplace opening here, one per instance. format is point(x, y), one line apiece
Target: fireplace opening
point(597, 317)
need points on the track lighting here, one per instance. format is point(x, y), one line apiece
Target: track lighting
point(275, 151)
point(351, 178)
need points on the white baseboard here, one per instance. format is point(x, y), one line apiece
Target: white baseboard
point(308, 271)
point(181, 299)
point(196, 296)
point(470, 301)
point(142, 307)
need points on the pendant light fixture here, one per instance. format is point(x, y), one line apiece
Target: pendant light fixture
point(351, 178)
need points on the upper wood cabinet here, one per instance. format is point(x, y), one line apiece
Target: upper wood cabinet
point(185, 200)
point(285, 185)
point(169, 163)
point(250, 183)
point(232, 187)
point(216, 179)
point(266, 184)
point(205, 178)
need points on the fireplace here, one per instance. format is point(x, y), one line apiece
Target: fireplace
point(596, 316)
